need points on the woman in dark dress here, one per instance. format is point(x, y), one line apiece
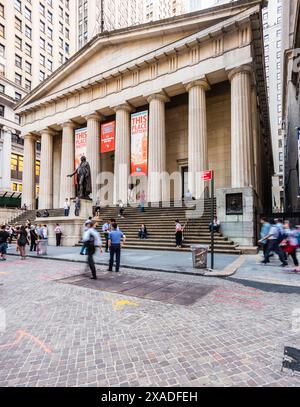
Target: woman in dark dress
point(22, 241)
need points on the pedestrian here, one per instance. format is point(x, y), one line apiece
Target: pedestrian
point(22, 241)
point(45, 232)
point(46, 213)
point(66, 207)
point(265, 229)
point(33, 238)
point(83, 250)
point(290, 244)
point(143, 233)
point(274, 238)
point(98, 208)
point(92, 240)
point(121, 209)
point(216, 225)
point(142, 201)
point(77, 206)
point(106, 229)
point(58, 234)
point(116, 240)
point(178, 233)
point(4, 236)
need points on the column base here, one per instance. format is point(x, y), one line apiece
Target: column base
point(237, 210)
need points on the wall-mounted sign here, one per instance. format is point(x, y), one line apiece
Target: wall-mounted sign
point(234, 204)
point(80, 145)
point(108, 137)
point(207, 175)
point(139, 143)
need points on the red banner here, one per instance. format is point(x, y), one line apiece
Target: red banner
point(139, 143)
point(80, 145)
point(206, 175)
point(108, 137)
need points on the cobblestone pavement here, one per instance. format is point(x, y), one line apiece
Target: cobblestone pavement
point(66, 335)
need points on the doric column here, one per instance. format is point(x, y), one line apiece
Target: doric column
point(122, 153)
point(67, 186)
point(46, 170)
point(5, 159)
point(93, 149)
point(197, 135)
point(157, 147)
point(241, 127)
point(28, 187)
point(255, 144)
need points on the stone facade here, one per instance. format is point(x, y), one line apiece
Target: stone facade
point(198, 77)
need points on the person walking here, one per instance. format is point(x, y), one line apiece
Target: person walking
point(58, 234)
point(116, 240)
point(178, 233)
point(45, 232)
point(143, 233)
point(274, 238)
point(33, 238)
point(290, 244)
point(66, 207)
point(22, 241)
point(4, 236)
point(265, 229)
point(92, 240)
point(106, 229)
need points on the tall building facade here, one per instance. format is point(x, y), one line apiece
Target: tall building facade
point(36, 37)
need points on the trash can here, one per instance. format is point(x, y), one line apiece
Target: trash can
point(41, 247)
point(199, 253)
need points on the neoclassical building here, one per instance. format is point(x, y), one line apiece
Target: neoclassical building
point(201, 78)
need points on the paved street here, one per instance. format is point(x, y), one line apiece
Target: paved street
point(60, 333)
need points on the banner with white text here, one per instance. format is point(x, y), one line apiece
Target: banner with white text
point(139, 143)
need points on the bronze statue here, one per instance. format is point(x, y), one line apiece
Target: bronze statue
point(84, 181)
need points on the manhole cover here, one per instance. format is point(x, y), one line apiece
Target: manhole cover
point(291, 359)
point(171, 292)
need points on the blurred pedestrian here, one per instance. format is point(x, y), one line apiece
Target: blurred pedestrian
point(92, 240)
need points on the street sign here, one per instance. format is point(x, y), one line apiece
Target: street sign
point(207, 175)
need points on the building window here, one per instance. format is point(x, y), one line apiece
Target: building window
point(61, 28)
point(61, 58)
point(67, 19)
point(2, 31)
point(28, 67)
point(18, 118)
point(2, 88)
point(1, 10)
point(18, 5)
point(42, 76)
point(42, 9)
point(27, 84)
point(61, 11)
point(16, 166)
point(2, 110)
point(49, 65)
point(42, 26)
point(49, 17)
point(50, 2)
point(42, 43)
point(18, 24)
point(18, 43)
point(61, 42)
point(2, 69)
point(42, 60)
point(28, 31)
point(18, 79)
point(67, 48)
point(27, 13)
point(49, 49)
point(49, 32)
point(280, 156)
point(18, 61)
point(67, 34)
point(18, 96)
point(28, 50)
point(2, 50)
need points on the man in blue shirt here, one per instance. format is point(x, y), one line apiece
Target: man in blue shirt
point(115, 237)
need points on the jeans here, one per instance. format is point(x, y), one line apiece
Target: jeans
point(3, 248)
point(115, 249)
point(90, 260)
point(58, 239)
point(273, 246)
point(83, 250)
point(66, 212)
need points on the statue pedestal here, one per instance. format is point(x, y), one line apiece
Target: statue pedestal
point(86, 209)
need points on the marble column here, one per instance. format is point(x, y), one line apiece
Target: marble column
point(122, 153)
point(5, 159)
point(241, 127)
point(93, 150)
point(255, 143)
point(57, 144)
point(46, 170)
point(67, 185)
point(197, 136)
point(28, 187)
point(157, 148)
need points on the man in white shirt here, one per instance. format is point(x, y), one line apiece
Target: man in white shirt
point(91, 240)
point(66, 207)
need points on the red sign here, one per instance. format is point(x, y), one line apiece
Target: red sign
point(139, 143)
point(207, 175)
point(108, 137)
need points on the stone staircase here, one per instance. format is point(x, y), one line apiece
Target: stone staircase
point(160, 223)
point(31, 215)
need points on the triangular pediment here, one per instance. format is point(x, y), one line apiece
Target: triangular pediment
point(107, 54)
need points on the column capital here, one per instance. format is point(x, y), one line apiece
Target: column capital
point(124, 106)
point(240, 69)
point(202, 83)
point(48, 131)
point(30, 136)
point(68, 123)
point(94, 116)
point(158, 96)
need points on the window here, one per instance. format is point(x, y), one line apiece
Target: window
point(28, 67)
point(61, 11)
point(2, 31)
point(18, 24)
point(18, 5)
point(27, 84)
point(280, 156)
point(2, 50)
point(42, 60)
point(28, 31)
point(18, 79)
point(18, 43)
point(49, 17)
point(16, 166)
point(42, 9)
point(18, 96)
point(280, 168)
point(61, 42)
point(2, 110)
point(67, 34)
point(42, 76)
point(67, 19)
point(49, 49)
point(42, 26)
point(50, 2)
point(61, 58)
point(49, 32)
point(28, 50)
point(2, 88)
point(1, 10)
point(18, 118)
point(42, 43)
point(27, 13)
point(280, 143)
point(49, 65)
point(67, 48)
point(2, 69)
point(18, 61)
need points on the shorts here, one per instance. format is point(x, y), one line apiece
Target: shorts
point(3, 248)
